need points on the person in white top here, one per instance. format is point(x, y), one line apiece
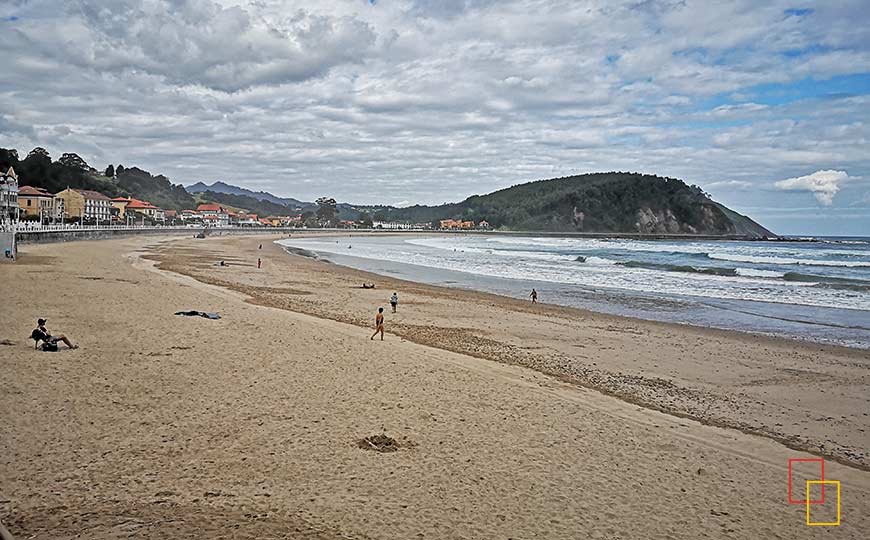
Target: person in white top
point(394, 301)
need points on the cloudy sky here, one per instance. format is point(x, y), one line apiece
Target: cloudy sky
point(766, 105)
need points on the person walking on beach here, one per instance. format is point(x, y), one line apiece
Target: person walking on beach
point(534, 296)
point(379, 324)
point(394, 301)
point(259, 262)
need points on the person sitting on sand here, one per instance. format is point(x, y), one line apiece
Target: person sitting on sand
point(394, 301)
point(534, 296)
point(41, 333)
point(367, 286)
point(379, 324)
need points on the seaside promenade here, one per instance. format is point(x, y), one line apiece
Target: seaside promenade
point(162, 426)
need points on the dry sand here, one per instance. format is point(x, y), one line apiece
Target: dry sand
point(248, 427)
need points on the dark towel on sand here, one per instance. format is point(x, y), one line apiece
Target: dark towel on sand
point(199, 314)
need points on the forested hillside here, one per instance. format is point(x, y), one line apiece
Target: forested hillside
point(37, 169)
point(599, 202)
point(70, 170)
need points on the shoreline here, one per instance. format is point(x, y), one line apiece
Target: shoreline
point(759, 318)
point(181, 427)
point(665, 390)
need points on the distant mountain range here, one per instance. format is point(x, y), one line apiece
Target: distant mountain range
point(222, 187)
point(265, 203)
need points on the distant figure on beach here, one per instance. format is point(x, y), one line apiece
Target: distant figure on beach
point(367, 286)
point(394, 301)
point(259, 262)
point(41, 333)
point(379, 324)
point(534, 296)
point(261, 246)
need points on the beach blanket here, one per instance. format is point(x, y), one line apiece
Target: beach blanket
point(198, 314)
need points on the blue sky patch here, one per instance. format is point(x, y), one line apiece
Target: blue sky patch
point(834, 88)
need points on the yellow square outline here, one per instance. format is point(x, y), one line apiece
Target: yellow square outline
point(823, 523)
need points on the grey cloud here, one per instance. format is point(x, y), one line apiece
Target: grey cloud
point(200, 42)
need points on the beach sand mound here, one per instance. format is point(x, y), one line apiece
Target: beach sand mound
point(379, 443)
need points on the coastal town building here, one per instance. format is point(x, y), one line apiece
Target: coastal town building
point(120, 204)
point(9, 208)
point(190, 215)
point(392, 225)
point(249, 220)
point(455, 224)
point(135, 209)
point(145, 208)
point(38, 203)
point(86, 205)
point(170, 216)
point(213, 215)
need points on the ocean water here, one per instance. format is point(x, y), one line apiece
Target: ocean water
point(817, 291)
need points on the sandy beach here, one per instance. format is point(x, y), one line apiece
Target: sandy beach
point(513, 420)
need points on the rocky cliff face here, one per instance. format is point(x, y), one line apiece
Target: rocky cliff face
point(713, 221)
point(661, 222)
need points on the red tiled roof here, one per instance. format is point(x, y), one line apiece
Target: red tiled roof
point(30, 191)
point(209, 208)
point(145, 205)
point(170, 213)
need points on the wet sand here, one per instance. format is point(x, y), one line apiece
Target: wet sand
point(248, 427)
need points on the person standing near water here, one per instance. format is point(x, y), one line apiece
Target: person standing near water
point(259, 262)
point(534, 296)
point(394, 301)
point(379, 324)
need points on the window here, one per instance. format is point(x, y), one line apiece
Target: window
point(28, 202)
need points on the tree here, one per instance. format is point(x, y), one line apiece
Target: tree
point(39, 153)
point(73, 161)
point(110, 171)
point(10, 155)
point(380, 216)
point(326, 209)
point(365, 220)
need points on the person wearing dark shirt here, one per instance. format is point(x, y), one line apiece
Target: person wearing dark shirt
point(42, 334)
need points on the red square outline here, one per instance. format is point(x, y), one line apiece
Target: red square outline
point(792, 501)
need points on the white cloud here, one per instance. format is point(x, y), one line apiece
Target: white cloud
point(822, 184)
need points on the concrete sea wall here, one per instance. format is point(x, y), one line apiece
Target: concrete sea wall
point(70, 235)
